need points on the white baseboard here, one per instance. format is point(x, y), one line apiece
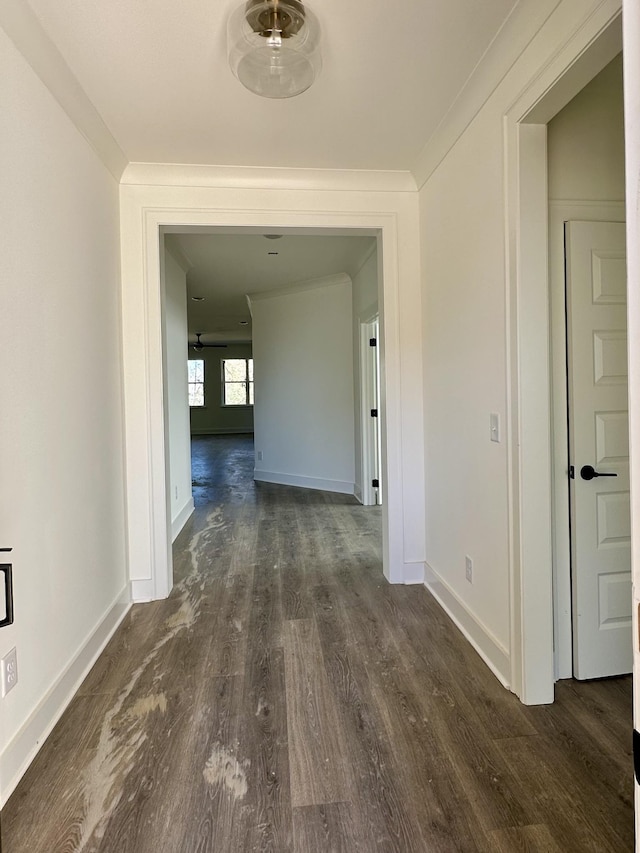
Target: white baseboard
point(490, 650)
point(23, 748)
point(357, 493)
point(142, 591)
point(339, 486)
point(181, 518)
point(413, 573)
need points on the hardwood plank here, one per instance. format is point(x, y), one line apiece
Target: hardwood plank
point(399, 790)
point(328, 827)
point(575, 821)
point(205, 725)
point(317, 743)
point(264, 735)
point(523, 839)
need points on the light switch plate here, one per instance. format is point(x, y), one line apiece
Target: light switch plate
point(494, 423)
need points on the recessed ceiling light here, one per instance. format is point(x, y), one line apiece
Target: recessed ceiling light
point(273, 236)
point(244, 323)
point(197, 298)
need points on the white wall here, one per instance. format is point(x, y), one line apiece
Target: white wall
point(303, 363)
point(61, 416)
point(586, 142)
point(177, 396)
point(365, 305)
point(465, 376)
point(469, 250)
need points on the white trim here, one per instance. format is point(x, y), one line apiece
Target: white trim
point(23, 748)
point(523, 23)
point(146, 210)
point(340, 486)
point(631, 24)
point(363, 260)
point(529, 390)
point(143, 591)
point(178, 254)
point(25, 30)
point(520, 29)
point(492, 652)
point(414, 573)
point(181, 518)
point(561, 211)
point(300, 286)
point(357, 493)
point(265, 177)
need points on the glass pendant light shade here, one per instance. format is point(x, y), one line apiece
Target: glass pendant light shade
point(274, 47)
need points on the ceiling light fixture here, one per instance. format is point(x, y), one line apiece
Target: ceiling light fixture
point(273, 236)
point(274, 47)
point(243, 323)
point(197, 298)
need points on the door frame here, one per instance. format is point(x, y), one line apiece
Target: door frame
point(167, 200)
point(532, 467)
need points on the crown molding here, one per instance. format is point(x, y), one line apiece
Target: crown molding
point(519, 29)
point(26, 32)
point(266, 177)
point(300, 287)
point(174, 248)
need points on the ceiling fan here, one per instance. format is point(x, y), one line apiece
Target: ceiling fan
point(199, 346)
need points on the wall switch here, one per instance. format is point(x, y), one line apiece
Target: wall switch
point(494, 423)
point(9, 671)
point(259, 456)
point(468, 568)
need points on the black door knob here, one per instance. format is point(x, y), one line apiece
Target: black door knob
point(588, 472)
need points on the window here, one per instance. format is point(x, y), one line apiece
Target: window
point(237, 382)
point(196, 382)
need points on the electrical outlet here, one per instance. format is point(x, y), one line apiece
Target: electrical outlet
point(9, 674)
point(468, 567)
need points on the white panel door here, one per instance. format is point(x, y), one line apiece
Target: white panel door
point(599, 446)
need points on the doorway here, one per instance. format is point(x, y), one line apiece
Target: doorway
point(540, 640)
point(144, 213)
point(288, 304)
point(585, 150)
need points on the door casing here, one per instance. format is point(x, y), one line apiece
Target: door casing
point(529, 391)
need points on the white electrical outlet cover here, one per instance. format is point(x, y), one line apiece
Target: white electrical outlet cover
point(9, 671)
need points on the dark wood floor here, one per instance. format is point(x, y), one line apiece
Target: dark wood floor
point(286, 698)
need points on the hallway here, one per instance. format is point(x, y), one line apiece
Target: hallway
point(287, 698)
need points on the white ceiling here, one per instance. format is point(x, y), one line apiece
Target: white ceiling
point(226, 267)
point(157, 72)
